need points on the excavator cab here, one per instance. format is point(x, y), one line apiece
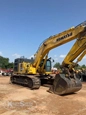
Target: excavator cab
point(47, 65)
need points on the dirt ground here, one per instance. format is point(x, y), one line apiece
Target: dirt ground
point(19, 100)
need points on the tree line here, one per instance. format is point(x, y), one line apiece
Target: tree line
point(4, 63)
point(57, 65)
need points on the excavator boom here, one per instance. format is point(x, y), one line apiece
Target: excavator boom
point(75, 51)
point(58, 40)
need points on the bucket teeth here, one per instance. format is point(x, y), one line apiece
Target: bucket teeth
point(65, 85)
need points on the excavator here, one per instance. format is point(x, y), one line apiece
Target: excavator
point(33, 72)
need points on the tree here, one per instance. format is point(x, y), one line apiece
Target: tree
point(83, 66)
point(57, 65)
point(10, 65)
point(4, 63)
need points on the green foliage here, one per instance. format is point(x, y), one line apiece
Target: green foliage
point(83, 66)
point(80, 66)
point(10, 65)
point(4, 63)
point(57, 65)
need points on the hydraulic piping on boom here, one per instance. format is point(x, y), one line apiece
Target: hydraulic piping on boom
point(33, 72)
point(81, 56)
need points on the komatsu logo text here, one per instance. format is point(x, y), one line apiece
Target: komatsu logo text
point(65, 36)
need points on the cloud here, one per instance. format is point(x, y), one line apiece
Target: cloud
point(16, 55)
point(32, 56)
point(0, 53)
point(62, 56)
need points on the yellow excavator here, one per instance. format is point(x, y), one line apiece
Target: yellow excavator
point(36, 71)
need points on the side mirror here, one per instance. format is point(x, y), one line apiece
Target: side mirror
point(53, 60)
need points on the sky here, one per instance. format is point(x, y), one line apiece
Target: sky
point(25, 24)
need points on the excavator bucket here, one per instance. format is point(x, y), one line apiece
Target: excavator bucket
point(65, 85)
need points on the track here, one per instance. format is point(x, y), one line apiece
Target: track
point(29, 80)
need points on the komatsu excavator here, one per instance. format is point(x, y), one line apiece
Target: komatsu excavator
point(32, 72)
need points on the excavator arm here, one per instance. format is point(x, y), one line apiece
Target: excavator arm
point(76, 50)
point(52, 42)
